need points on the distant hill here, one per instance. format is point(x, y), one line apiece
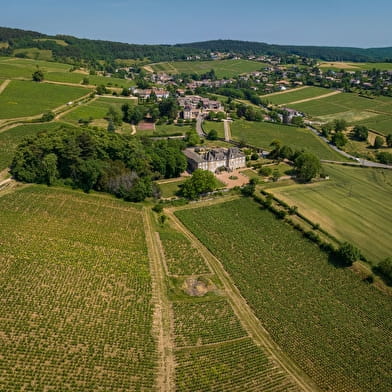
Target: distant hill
point(93, 50)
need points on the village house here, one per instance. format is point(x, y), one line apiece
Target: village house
point(146, 93)
point(215, 159)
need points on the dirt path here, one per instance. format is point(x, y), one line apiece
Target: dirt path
point(284, 92)
point(312, 98)
point(162, 313)
point(226, 126)
point(4, 85)
point(73, 107)
point(133, 130)
point(245, 314)
point(148, 68)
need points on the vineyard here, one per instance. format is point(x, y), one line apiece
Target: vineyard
point(75, 287)
point(212, 350)
point(333, 325)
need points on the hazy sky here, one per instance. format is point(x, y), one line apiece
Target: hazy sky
point(362, 23)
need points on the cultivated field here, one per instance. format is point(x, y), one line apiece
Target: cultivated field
point(223, 68)
point(23, 98)
point(211, 349)
point(348, 106)
point(35, 53)
point(293, 96)
point(330, 322)
point(354, 205)
point(76, 306)
point(337, 66)
point(10, 139)
point(261, 134)
point(11, 67)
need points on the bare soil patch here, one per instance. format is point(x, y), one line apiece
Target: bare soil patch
point(198, 287)
point(237, 178)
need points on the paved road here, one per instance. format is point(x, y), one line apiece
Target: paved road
point(199, 128)
point(358, 161)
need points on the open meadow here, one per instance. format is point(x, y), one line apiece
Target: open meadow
point(76, 304)
point(325, 318)
point(25, 98)
point(293, 95)
point(261, 134)
point(347, 66)
point(223, 68)
point(354, 205)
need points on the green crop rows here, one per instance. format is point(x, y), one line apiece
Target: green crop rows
point(181, 257)
point(333, 325)
point(23, 98)
point(297, 95)
point(230, 367)
point(76, 306)
point(205, 322)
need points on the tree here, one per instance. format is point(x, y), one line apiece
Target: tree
point(348, 253)
point(101, 90)
point(201, 181)
point(361, 132)
point(298, 121)
point(111, 127)
point(192, 138)
point(339, 139)
point(340, 125)
point(86, 80)
point(378, 142)
point(48, 116)
point(385, 267)
point(38, 76)
point(212, 135)
point(308, 166)
point(385, 157)
point(50, 171)
point(389, 140)
point(114, 115)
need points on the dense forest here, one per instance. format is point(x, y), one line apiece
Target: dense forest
point(86, 49)
point(103, 161)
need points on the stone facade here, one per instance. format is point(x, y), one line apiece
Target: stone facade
point(229, 158)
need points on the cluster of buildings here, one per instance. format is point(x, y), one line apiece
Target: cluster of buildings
point(215, 160)
point(193, 105)
point(150, 92)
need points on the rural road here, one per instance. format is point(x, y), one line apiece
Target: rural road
point(199, 128)
point(358, 161)
point(226, 125)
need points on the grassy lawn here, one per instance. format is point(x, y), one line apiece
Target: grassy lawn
point(166, 130)
point(333, 325)
point(23, 98)
point(354, 205)
point(169, 189)
point(75, 289)
point(261, 134)
point(217, 125)
point(10, 139)
point(223, 68)
point(293, 96)
point(96, 109)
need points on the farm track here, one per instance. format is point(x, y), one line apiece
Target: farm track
point(162, 314)
point(226, 125)
point(284, 92)
point(245, 314)
point(312, 98)
point(4, 85)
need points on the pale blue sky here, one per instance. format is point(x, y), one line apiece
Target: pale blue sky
point(361, 23)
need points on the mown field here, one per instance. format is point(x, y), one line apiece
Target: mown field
point(212, 350)
point(96, 109)
point(337, 66)
point(170, 188)
point(325, 318)
point(10, 139)
point(293, 96)
point(12, 67)
point(381, 123)
point(76, 304)
point(217, 125)
point(354, 205)
point(25, 98)
point(223, 68)
point(261, 134)
point(348, 106)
